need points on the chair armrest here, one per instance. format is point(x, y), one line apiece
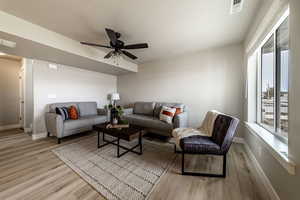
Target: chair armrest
point(54, 124)
point(128, 111)
point(181, 120)
point(101, 111)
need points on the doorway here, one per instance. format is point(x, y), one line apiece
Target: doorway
point(11, 90)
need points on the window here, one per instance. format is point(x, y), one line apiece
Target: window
point(272, 105)
point(267, 95)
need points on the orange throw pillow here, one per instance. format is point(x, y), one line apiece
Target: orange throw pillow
point(73, 114)
point(178, 110)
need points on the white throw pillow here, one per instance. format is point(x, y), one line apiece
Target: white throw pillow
point(167, 114)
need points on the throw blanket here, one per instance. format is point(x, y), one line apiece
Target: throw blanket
point(207, 125)
point(206, 128)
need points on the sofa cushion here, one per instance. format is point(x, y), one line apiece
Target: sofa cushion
point(144, 108)
point(99, 119)
point(76, 124)
point(53, 106)
point(87, 108)
point(159, 105)
point(84, 122)
point(148, 122)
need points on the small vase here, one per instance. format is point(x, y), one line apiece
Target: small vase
point(115, 121)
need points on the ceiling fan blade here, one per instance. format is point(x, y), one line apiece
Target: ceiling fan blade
point(136, 46)
point(95, 45)
point(108, 55)
point(112, 36)
point(129, 55)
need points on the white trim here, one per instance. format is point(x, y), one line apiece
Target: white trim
point(28, 130)
point(277, 148)
point(266, 182)
point(26, 30)
point(8, 127)
point(258, 32)
point(38, 136)
point(239, 140)
point(275, 27)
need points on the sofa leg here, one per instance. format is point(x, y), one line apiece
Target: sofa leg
point(58, 140)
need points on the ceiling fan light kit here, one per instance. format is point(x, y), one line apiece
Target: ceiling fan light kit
point(118, 46)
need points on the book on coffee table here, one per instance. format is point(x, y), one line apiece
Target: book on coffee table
point(117, 126)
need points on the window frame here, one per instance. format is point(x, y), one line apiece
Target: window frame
point(276, 76)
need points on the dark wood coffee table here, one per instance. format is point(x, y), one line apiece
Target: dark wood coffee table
point(127, 134)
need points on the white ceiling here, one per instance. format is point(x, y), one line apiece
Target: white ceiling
point(171, 27)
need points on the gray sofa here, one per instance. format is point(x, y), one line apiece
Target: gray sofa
point(89, 115)
point(146, 114)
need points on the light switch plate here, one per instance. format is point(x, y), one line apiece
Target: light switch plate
point(53, 66)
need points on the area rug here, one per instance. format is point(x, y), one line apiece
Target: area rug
point(127, 178)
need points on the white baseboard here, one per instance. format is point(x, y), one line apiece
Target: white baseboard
point(239, 140)
point(7, 127)
point(28, 130)
point(38, 136)
point(266, 182)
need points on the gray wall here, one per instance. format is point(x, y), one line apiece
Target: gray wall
point(205, 80)
point(286, 185)
point(9, 92)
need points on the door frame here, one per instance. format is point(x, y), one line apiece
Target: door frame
point(22, 97)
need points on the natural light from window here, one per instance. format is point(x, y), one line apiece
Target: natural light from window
point(272, 82)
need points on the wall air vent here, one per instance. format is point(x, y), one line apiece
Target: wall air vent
point(236, 6)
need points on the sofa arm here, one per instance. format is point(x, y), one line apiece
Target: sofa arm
point(128, 111)
point(54, 124)
point(101, 111)
point(181, 120)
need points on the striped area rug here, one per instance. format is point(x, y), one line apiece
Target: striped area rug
point(131, 177)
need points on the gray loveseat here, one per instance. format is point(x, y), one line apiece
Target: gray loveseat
point(89, 115)
point(146, 114)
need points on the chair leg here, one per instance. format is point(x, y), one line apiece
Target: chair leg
point(58, 140)
point(223, 175)
point(182, 163)
point(224, 165)
point(48, 135)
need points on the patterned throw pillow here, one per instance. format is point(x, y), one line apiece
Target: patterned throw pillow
point(178, 110)
point(73, 114)
point(63, 111)
point(167, 114)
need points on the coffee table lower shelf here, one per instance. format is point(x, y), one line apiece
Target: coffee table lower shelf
point(116, 142)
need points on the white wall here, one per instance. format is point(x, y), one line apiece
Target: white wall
point(68, 84)
point(205, 80)
point(9, 92)
point(28, 94)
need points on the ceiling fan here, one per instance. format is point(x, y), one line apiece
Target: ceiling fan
point(117, 45)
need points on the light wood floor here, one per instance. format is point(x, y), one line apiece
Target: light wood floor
point(29, 170)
